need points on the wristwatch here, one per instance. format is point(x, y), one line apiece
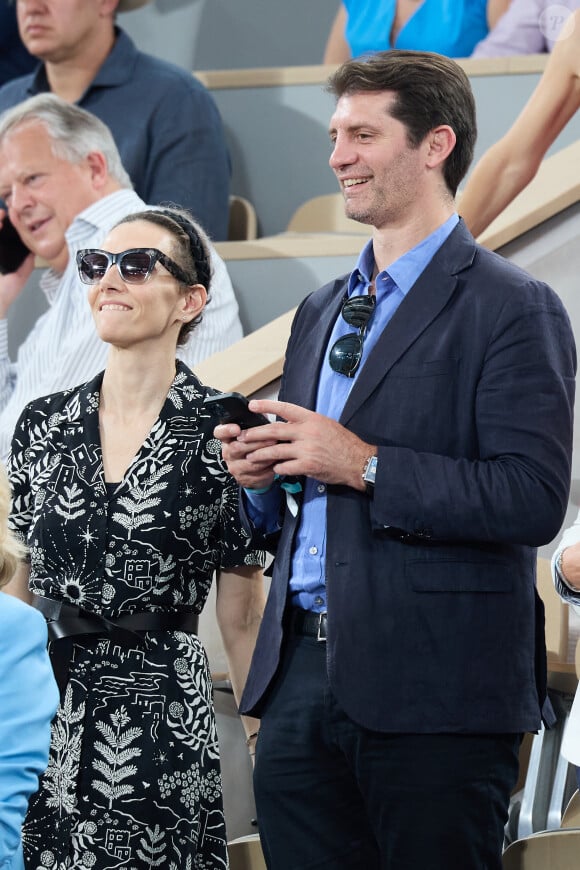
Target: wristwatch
point(369, 474)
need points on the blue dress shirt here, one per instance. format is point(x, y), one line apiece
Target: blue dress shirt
point(307, 579)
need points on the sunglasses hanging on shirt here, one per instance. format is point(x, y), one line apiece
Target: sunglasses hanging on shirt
point(346, 352)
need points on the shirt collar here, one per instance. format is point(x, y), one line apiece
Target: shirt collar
point(39, 82)
point(119, 66)
point(49, 283)
point(404, 271)
point(100, 215)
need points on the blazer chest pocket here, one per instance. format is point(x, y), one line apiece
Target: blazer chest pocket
point(413, 406)
point(453, 576)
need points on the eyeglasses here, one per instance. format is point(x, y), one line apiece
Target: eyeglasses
point(346, 352)
point(135, 265)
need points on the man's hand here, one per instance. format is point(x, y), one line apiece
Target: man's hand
point(12, 284)
point(306, 444)
point(240, 457)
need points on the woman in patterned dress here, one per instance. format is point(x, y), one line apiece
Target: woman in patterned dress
point(123, 498)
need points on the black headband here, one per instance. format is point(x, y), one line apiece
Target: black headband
point(198, 249)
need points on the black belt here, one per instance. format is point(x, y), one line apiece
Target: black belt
point(307, 623)
point(64, 620)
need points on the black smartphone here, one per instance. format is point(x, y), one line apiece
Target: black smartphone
point(233, 408)
point(13, 251)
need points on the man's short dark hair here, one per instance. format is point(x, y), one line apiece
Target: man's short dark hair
point(431, 90)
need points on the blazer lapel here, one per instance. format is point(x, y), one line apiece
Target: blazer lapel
point(428, 296)
point(315, 340)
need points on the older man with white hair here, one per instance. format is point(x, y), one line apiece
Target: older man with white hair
point(64, 185)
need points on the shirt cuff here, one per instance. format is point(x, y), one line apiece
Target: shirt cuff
point(263, 508)
point(562, 586)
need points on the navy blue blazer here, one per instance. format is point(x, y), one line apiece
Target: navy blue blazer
point(433, 620)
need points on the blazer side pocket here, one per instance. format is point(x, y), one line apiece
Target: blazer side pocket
point(448, 575)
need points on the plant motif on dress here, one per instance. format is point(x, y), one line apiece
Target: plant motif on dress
point(151, 850)
point(166, 574)
point(143, 498)
point(116, 753)
point(69, 502)
point(191, 719)
point(65, 752)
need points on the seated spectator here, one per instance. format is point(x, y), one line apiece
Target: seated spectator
point(566, 573)
point(509, 165)
point(528, 27)
point(164, 121)
point(64, 184)
point(28, 698)
point(450, 27)
point(14, 59)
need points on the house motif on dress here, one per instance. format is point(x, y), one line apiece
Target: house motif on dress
point(117, 844)
point(138, 574)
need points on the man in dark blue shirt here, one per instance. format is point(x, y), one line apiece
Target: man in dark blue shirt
point(14, 59)
point(165, 123)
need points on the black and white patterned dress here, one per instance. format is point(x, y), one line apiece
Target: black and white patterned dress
point(133, 779)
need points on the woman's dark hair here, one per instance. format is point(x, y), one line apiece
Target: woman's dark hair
point(430, 90)
point(191, 250)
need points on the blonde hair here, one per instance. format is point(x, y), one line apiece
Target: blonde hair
point(11, 550)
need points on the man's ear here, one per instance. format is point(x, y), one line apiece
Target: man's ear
point(97, 164)
point(192, 303)
point(108, 8)
point(441, 142)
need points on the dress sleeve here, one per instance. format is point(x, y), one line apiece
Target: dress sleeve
point(18, 467)
point(235, 541)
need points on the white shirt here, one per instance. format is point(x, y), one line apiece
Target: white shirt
point(570, 748)
point(63, 349)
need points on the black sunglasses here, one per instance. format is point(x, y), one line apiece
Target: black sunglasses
point(135, 265)
point(346, 352)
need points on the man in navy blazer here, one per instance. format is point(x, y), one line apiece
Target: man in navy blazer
point(422, 453)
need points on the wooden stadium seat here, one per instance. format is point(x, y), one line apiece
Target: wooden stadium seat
point(245, 853)
point(547, 850)
point(325, 214)
point(571, 815)
point(556, 615)
point(243, 222)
